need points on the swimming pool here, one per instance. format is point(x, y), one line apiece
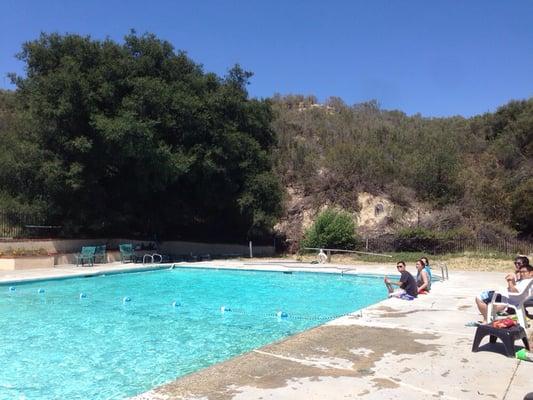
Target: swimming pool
point(81, 338)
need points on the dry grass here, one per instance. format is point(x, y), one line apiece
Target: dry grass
point(478, 263)
point(457, 262)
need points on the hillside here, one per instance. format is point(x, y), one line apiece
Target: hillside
point(473, 176)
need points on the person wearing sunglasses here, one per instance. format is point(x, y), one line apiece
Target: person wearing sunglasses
point(523, 272)
point(406, 284)
point(519, 262)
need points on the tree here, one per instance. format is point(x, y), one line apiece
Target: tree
point(19, 159)
point(138, 139)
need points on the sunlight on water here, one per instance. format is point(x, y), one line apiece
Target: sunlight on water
point(82, 339)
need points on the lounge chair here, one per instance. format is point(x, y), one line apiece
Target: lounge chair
point(100, 254)
point(515, 301)
point(528, 304)
point(126, 252)
point(86, 256)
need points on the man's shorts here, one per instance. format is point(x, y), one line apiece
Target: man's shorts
point(486, 297)
point(397, 293)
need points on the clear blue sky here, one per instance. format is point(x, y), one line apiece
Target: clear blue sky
point(437, 58)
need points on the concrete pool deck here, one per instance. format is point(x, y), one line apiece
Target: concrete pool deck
point(395, 349)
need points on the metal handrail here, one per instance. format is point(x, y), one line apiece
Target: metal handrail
point(152, 258)
point(323, 257)
point(348, 251)
point(444, 275)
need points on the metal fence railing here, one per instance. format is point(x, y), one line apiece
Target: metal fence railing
point(20, 225)
point(440, 246)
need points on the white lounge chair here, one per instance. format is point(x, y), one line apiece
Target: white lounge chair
point(513, 300)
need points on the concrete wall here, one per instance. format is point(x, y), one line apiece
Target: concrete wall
point(65, 249)
point(7, 264)
point(50, 245)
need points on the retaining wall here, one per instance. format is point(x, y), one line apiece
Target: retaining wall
point(63, 251)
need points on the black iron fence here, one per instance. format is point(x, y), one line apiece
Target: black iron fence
point(441, 246)
point(15, 225)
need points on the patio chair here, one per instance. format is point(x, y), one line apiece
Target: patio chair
point(126, 252)
point(528, 304)
point(515, 301)
point(100, 254)
point(86, 256)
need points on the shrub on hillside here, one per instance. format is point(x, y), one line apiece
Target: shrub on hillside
point(415, 239)
point(331, 229)
point(494, 232)
point(522, 208)
point(426, 240)
point(401, 195)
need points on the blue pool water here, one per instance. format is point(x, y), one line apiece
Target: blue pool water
point(56, 345)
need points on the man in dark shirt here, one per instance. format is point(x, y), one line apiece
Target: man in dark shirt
point(406, 283)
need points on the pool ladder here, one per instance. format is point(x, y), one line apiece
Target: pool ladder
point(151, 258)
point(444, 272)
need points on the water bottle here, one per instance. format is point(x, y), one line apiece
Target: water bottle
point(524, 355)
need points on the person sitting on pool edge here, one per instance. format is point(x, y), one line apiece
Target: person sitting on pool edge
point(423, 280)
point(427, 268)
point(406, 284)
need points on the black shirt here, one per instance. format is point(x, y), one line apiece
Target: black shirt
point(408, 284)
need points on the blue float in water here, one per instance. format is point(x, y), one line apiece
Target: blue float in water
point(12, 288)
point(83, 296)
point(282, 314)
point(176, 304)
point(40, 291)
point(126, 299)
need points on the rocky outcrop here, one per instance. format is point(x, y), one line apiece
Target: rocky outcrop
point(378, 215)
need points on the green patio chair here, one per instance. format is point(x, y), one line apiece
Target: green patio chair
point(100, 254)
point(126, 252)
point(86, 256)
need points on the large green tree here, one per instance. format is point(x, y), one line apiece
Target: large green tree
point(138, 139)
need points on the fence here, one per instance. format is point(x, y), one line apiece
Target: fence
point(20, 225)
point(441, 246)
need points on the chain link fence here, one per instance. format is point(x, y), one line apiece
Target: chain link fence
point(391, 243)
